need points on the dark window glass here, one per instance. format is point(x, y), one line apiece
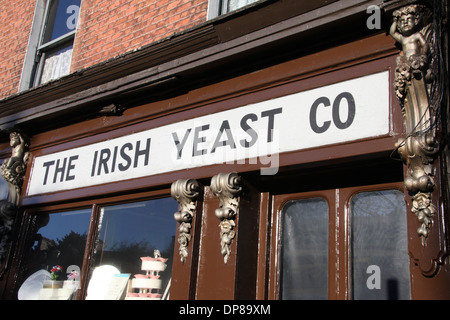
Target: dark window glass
point(128, 232)
point(380, 262)
point(59, 240)
point(304, 270)
point(62, 18)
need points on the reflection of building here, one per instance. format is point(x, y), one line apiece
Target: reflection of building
point(238, 115)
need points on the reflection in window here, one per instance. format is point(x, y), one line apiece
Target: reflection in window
point(230, 5)
point(60, 240)
point(62, 18)
point(128, 232)
point(380, 262)
point(304, 270)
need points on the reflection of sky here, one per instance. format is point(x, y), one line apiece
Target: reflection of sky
point(148, 221)
point(63, 223)
point(151, 222)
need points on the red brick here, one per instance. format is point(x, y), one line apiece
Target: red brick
point(106, 29)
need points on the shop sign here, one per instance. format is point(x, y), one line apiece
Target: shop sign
point(341, 112)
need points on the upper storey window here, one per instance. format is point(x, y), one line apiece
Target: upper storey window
point(51, 41)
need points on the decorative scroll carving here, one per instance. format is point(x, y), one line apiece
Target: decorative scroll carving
point(415, 86)
point(186, 193)
point(227, 187)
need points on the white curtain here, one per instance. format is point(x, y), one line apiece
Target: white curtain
point(56, 66)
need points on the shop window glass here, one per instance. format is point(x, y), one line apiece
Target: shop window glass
point(59, 241)
point(304, 269)
point(380, 262)
point(128, 232)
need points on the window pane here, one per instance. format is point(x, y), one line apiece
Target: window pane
point(60, 240)
point(304, 270)
point(62, 18)
point(230, 5)
point(380, 259)
point(128, 232)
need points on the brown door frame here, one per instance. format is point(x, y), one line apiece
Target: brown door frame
point(339, 277)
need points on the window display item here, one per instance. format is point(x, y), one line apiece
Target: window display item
point(54, 289)
point(100, 281)
point(147, 286)
point(31, 287)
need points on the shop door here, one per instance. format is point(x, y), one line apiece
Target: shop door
point(348, 243)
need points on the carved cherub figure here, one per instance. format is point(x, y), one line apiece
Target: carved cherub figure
point(19, 152)
point(13, 168)
point(405, 29)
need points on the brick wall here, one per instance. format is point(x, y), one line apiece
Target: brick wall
point(106, 29)
point(15, 25)
point(110, 28)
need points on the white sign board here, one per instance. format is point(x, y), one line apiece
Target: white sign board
point(341, 112)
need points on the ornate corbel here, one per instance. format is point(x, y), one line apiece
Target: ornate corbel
point(415, 87)
point(186, 193)
point(12, 170)
point(226, 187)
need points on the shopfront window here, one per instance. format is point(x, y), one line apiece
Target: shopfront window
point(62, 239)
point(304, 271)
point(380, 262)
point(56, 254)
point(129, 232)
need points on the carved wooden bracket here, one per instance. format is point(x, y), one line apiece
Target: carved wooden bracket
point(13, 171)
point(186, 193)
point(415, 90)
point(226, 187)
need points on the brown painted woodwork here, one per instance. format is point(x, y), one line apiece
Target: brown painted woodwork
point(252, 270)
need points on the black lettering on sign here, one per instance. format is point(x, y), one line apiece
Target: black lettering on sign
point(351, 111)
point(106, 160)
point(178, 144)
point(249, 130)
point(324, 102)
point(225, 127)
point(197, 140)
point(270, 126)
point(225, 135)
point(61, 168)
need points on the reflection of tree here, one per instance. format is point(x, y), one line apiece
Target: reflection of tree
point(46, 253)
point(71, 249)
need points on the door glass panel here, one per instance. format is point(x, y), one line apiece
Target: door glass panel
point(130, 231)
point(304, 266)
point(380, 262)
